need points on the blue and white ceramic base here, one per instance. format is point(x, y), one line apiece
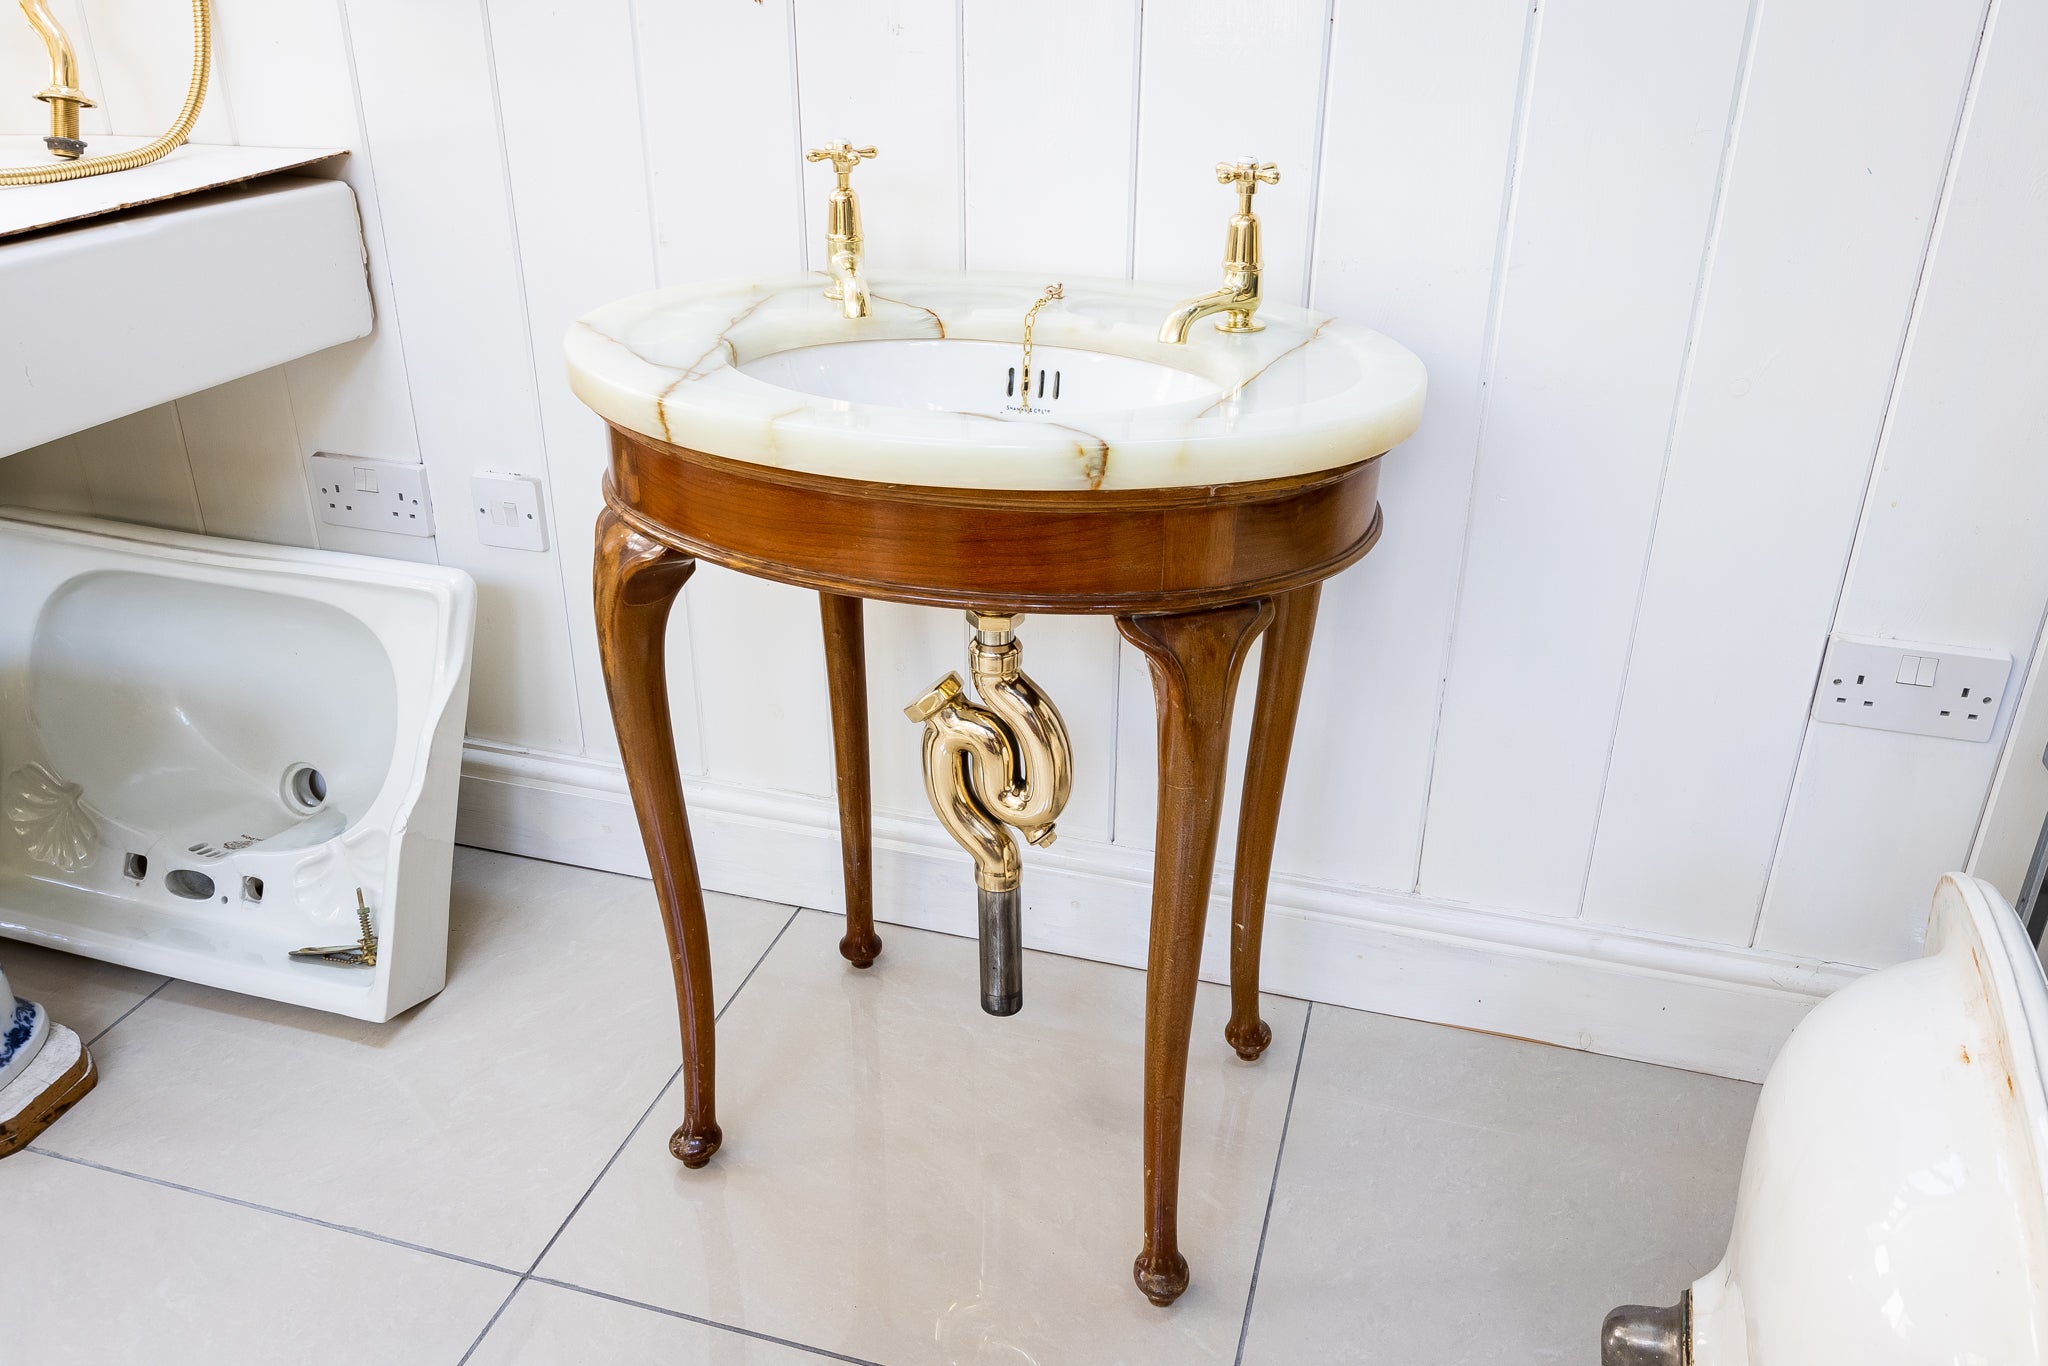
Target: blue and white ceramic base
point(24, 1027)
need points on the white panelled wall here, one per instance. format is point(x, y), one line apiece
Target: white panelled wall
point(1732, 312)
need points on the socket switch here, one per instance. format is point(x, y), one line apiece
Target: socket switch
point(1941, 690)
point(508, 511)
point(371, 495)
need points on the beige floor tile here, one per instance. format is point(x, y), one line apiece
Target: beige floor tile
point(546, 1325)
point(907, 1180)
point(107, 1269)
point(1462, 1199)
point(473, 1123)
point(84, 993)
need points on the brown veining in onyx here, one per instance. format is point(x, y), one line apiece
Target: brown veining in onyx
point(846, 674)
point(1195, 658)
point(637, 580)
point(937, 321)
point(696, 369)
point(1192, 575)
point(1238, 388)
point(1282, 666)
point(1094, 453)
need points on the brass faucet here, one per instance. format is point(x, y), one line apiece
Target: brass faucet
point(62, 94)
point(842, 229)
point(1238, 300)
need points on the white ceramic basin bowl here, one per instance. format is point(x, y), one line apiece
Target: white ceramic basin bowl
point(773, 374)
point(207, 746)
point(979, 377)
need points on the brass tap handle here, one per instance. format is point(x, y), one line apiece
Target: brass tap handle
point(1247, 176)
point(844, 156)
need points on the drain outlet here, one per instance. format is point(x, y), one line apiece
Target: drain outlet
point(189, 883)
point(304, 789)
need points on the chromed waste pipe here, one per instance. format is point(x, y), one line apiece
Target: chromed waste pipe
point(989, 767)
point(1640, 1335)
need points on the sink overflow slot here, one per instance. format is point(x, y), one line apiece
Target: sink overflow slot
point(1010, 384)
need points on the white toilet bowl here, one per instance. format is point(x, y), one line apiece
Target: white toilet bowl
point(208, 746)
point(1893, 1209)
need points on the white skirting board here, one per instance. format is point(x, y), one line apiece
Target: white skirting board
point(1705, 1007)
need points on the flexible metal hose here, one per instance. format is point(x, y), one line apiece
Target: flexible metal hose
point(181, 127)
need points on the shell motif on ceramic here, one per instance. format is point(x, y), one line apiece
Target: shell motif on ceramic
point(50, 817)
point(742, 371)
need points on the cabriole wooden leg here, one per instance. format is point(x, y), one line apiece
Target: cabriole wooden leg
point(1195, 658)
point(846, 672)
point(1282, 666)
point(637, 582)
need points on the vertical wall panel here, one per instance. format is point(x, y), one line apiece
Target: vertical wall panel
point(1223, 80)
point(143, 52)
point(136, 470)
point(245, 460)
point(50, 476)
point(723, 169)
point(1622, 143)
point(1950, 549)
point(586, 237)
point(1416, 148)
point(432, 126)
point(887, 74)
point(1051, 113)
point(1837, 163)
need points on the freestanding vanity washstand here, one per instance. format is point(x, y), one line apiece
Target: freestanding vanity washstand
point(982, 442)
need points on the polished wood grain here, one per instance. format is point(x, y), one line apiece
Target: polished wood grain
point(846, 673)
point(67, 1090)
point(1283, 664)
point(637, 580)
point(1195, 658)
point(1192, 575)
point(1128, 550)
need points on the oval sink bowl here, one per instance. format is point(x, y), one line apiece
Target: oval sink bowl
point(922, 390)
point(979, 377)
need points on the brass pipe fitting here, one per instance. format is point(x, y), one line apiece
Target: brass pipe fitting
point(62, 94)
point(1243, 259)
point(990, 767)
point(154, 150)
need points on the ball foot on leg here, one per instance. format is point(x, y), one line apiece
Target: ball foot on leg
point(1249, 1040)
point(693, 1150)
point(861, 949)
point(1162, 1279)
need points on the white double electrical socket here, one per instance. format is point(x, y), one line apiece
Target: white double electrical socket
point(508, 511)
point(371, 495)
point(1941, 690)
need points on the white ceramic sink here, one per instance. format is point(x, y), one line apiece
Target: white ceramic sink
point(924, 390)
point(979, 377)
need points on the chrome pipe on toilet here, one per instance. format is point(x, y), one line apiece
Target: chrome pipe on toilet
point(1639, 1335)
point(1002, 950)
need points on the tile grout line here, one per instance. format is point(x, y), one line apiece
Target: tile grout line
point(620, 1150)
point(1265, 1225)
point(272, 1209)
point(708, 1323)
point(129, 1011)
point(610, 1162)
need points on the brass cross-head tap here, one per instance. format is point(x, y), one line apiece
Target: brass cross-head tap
point(842, 228)
point(1239, 297)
